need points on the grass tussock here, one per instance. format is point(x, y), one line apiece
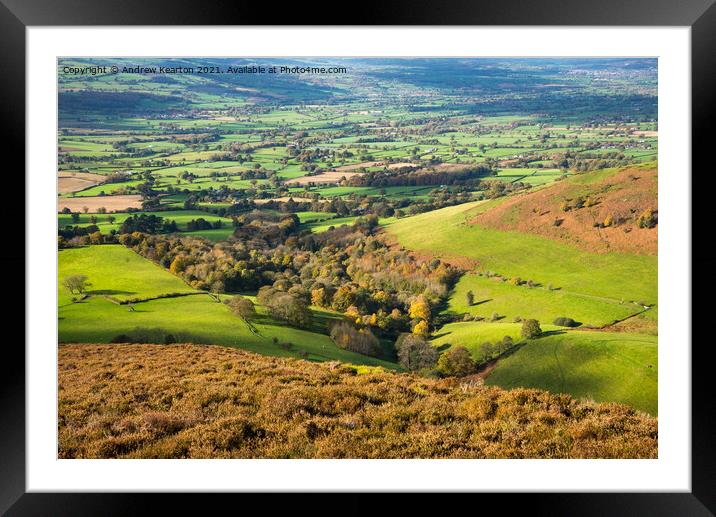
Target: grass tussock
point(189, 401)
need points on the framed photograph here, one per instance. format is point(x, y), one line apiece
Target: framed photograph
point(430, 252)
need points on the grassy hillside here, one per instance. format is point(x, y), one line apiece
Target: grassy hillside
point(495, 295)
point(121, 273)
point(472, 334)
point(618, 366)
point(116, 271)
point(447, 233)
point(186, 401)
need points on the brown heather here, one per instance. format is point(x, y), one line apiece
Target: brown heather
point(188, 401)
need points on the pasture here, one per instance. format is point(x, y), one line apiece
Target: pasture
point(600, 366)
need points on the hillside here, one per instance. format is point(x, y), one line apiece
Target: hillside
point(448, 234)
point(619, 195)
point(601, 366)
point(166, 309)
point(188, 401)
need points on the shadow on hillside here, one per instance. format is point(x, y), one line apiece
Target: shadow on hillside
point(109, 292)
point(548, 333)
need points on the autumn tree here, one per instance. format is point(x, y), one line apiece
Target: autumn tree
point(346, 336)
point(420, 309)
point(421, 329)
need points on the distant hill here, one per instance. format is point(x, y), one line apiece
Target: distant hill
point(188, 401)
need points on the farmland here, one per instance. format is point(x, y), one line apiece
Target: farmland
point(424, 223)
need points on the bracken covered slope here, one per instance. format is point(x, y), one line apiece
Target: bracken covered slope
point(189, 401)
point(617, 195)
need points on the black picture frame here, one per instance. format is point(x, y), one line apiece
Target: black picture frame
point(17, 15)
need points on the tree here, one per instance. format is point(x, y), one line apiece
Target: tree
point(76, 283)
point(242, 307)
point(420, 308)
point(346, 336)
point(456, 362)
point(414, 353)
point(470, 298)
point(421, 329)
point(531, 329)
point(486, 351)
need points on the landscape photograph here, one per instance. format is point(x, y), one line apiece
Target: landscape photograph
point(380, 258)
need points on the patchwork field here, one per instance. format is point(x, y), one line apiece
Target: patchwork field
point(93, 204)
point(74, 181)
point(328, 177)
point(181, 217)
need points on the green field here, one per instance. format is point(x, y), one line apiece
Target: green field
point(495, 295)
point(119, 272)
point(322, 226)
point(472, 334)
point(181, 217)
point(116, 271)
point(613, 367)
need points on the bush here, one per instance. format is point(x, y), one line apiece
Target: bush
point(565, 322)
point(456, 362)
point(531, 329)
point(647, 219)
